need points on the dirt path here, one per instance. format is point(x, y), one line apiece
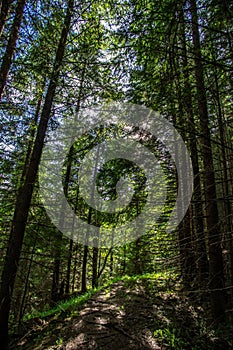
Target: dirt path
point(118, 319)
point(124, 317)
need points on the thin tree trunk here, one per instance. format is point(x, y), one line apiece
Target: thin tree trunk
point(226, 190)
point(55, 295)
point(185, 234)
point(95, 249)
point(5, 7)
point(11, 45)
point(137, 267)
point(84, 270)
point(216, 282)
point(94, 267)
point(75, 268)
point(111, 263)
point(67, 288)
point(55, 280)
point(32, 132)
point(26, 285)
point(124, 261)
point(68, 272)
point(25, 193)
point(104, 263)
point(55, 285)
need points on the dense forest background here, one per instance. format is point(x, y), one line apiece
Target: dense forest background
point(61, 57)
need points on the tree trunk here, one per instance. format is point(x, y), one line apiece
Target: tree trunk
point(6, 4)
point(111, 263)
point(57, 261)
point(75, 269)
point(84, 270)
point(137, 263)
point(201, 254)
point(32, 132)
point(55, 285)
point(25, 193)
point(94, 267)
point(11, 45)
point(216, 277)
point(228, 227)
point(185, 234)
point(21, 311)
point(68, 272)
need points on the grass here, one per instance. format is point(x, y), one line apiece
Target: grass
point(72, 303)
point(176, 324)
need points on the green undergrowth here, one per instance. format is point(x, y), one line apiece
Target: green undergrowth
point(172, 320)
point(161, 279)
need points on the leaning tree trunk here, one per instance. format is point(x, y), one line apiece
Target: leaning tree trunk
point(32, 132)
point(5, 7)
point(216, 277)
point(11, 45)
point(25, 193)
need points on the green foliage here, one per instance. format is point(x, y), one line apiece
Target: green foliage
point(70, 305)
point(59, 341)
point(170, 338)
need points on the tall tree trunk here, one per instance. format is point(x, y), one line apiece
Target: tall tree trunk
point(56, 273)
point(187, 262)
point(56, 278)
point(226, 185)
point(124, 261)
point(25, 193)
point(94, 267)
point(32, 132)
point(85, 254)
point(5, 7)
point(21, 310)
point(68, 272)
point(111, 263)
point(185, 234)
point(11, 45)
point(75, 268)
point(57, 262)
point(137, 263)
point(84, 270)
point(201, 254)
point(216, 277)
point(95, 249)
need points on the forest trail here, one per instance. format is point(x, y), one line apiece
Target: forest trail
point(124, 316)
point(114, 319)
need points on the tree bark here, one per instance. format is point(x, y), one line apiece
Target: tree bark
point(21, 310)
point(216, 277)
point(32, 133)
point(84, 270)
point(5, 7)
point(56, 273)
point(11, 45)
point(201, 254)
point(94, 267)
point(25, 193)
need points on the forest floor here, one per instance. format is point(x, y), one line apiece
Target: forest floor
point(133, 314)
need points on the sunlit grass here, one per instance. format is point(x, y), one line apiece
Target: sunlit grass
point(72, 303)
